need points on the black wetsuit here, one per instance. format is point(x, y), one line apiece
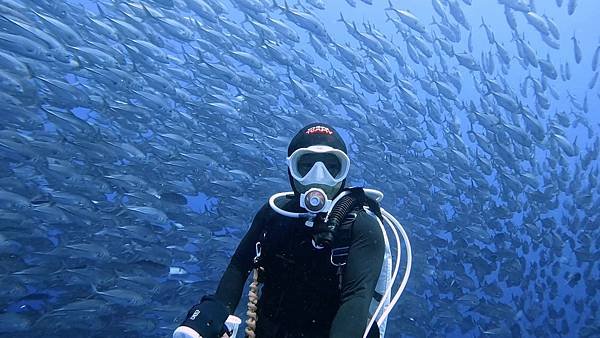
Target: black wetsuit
point(300, 296)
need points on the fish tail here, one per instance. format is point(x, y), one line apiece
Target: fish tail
point(367, 27)
point(239, 92)
point(275, 5)
point(396, 81)
point(341, 19)
point(433, 22)
point(101, 11)
point(135, 68)
point(388, 18)
point(147, 12)
point(391, 6)
point(63, 137)
point(246, 19)
point(30, 71)
point(199, 53)
point(123, 210)
point(471, 130)
point(487, 88)
point(185, 56)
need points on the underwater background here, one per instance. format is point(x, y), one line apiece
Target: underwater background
point(139, 138)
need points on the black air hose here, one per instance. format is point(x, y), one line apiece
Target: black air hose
point(323, 235)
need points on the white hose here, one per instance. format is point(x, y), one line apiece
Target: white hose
point(391, 218)
point(375, 194)
point(284, 212)
point(394, 273)
point(394, 225)
point(300, 214)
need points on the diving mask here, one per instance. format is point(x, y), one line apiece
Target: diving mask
point(318, 165)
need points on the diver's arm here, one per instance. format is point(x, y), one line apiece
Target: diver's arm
point(365, 259)
point(207, 318)
point(231, 285)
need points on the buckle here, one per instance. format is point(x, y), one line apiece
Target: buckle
point(258, 252)
point(339, 252)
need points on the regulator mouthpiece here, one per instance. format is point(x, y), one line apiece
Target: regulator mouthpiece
point(314, 200)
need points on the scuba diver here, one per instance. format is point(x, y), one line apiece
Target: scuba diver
point(320, 252)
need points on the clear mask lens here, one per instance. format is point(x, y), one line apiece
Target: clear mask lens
point(306, 162)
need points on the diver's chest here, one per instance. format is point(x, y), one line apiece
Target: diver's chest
point(289, 244)
point(292, 265)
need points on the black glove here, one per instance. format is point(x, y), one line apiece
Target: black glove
point(208, 318)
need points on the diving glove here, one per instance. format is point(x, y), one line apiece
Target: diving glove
point(206, 319)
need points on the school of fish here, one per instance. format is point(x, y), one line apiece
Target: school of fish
point(138, 139)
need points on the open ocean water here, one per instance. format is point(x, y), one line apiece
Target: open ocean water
point(139, 138)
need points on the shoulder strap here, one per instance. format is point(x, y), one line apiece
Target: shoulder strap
point(342, 239)
point(343, 234)
point(368, 201)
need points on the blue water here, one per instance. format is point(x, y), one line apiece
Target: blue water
point(430, 306)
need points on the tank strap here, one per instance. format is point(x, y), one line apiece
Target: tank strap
point(342, 240)
point(341, 245)
point(343, 235)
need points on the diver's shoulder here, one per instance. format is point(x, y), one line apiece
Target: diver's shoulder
point(366, 223)
point(367, 217)
point(265, 210)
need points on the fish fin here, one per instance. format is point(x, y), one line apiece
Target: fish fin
point(43, 17)
point(197, 24)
